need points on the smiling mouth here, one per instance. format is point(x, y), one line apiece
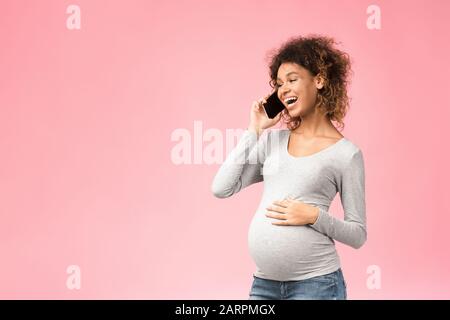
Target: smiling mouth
point(291, 102)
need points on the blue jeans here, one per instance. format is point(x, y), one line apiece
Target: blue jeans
point(325, 287)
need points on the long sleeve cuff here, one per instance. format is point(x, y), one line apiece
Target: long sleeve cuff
point(351, 233)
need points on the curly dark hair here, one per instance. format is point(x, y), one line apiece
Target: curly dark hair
point(318, 55)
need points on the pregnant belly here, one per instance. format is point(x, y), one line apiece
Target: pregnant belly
point(288, 250)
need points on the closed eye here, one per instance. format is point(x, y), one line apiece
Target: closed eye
point(279, 85)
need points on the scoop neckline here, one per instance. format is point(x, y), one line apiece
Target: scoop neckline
point(286, 145)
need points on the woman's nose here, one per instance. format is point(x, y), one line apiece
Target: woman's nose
point(285, 91)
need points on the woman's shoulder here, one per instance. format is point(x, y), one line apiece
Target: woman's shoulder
point(275, 134)
point(351, 154)
point(350, 146)
point(278, 131)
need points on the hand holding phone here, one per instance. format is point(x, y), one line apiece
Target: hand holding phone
point(273, 106)
point(264, 112)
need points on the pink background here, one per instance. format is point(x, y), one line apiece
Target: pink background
point(86, 118)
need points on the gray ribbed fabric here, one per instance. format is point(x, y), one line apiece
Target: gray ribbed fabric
point(297, 252)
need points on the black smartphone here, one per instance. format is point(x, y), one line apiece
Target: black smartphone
point(273, 105)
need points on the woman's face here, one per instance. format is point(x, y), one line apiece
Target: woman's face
point(295, 81)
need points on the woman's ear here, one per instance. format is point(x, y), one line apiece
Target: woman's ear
point(319, 81)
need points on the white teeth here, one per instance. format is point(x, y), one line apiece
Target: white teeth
point(290, 100)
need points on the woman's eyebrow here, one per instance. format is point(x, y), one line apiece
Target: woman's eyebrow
point(288, 74)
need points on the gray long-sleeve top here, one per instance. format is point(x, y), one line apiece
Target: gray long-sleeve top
point(287, 253)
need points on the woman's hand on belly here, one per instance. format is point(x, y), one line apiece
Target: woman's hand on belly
point(291, 212)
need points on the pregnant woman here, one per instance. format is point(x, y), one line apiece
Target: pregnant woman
point(291, 236)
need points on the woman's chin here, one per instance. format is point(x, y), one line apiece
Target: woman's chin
point(294, 111)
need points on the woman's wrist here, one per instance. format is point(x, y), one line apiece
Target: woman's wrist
point(314, 215)
point(255, 129)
